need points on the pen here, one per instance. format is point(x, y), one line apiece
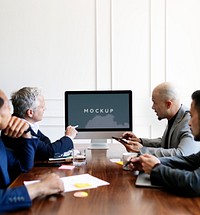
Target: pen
point(140, 152)
point(76, 126)
point(128, 162)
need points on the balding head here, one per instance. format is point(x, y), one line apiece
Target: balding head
point(166, 91)
point(166, 102)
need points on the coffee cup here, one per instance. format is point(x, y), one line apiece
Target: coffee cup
point(126, 157)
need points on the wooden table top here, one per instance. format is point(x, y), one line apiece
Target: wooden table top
point(120, 197)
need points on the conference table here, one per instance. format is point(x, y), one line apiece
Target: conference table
point(121, 196)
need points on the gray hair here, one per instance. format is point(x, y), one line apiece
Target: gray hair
point(24, 99)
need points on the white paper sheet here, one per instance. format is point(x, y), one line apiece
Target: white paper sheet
point(70, 182)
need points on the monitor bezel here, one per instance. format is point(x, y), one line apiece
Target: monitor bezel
point(96, 92)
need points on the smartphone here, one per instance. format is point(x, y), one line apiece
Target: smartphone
point(122, 140)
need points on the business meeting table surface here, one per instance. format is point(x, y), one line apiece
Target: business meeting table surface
point(121, 196)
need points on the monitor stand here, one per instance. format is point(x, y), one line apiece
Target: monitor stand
point(98, 144)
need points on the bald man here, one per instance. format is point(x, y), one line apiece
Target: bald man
point(177, 138)
point(179, 174)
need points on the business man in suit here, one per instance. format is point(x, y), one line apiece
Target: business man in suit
point(23, 159)
point(29, 104)
point(19, 197)
point(7, 196)
point(177, 138)
point(178, 174)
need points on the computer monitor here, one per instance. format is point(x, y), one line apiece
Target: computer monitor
point(99, 114)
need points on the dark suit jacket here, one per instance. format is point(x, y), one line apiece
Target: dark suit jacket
point(10, 198)
point(21, 155)
point(180, 175)
point(45, 149)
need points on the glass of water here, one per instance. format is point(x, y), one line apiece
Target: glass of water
point(79, 156)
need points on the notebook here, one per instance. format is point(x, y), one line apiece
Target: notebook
point(143, 180)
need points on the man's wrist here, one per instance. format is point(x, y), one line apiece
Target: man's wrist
point(140, 141)
point(29, 129)
point(27, 133)
point(157, 164)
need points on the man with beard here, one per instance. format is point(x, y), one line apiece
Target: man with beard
point(181, 174)
point(177, 138)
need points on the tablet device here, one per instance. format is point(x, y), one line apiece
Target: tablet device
point(143, 180)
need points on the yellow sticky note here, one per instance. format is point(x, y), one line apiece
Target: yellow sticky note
point(82, 185)
point(120, 162)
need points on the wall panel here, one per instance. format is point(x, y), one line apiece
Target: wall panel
point(183, 45)
point(100, 44)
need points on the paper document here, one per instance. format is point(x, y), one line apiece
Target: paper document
point(69, 158)
point(78, 182)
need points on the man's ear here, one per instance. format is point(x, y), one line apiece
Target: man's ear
point(29, 113)
point(169, 103)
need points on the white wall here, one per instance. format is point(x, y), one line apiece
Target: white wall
point(100, 44)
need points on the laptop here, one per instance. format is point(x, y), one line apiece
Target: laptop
point(143, 180)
